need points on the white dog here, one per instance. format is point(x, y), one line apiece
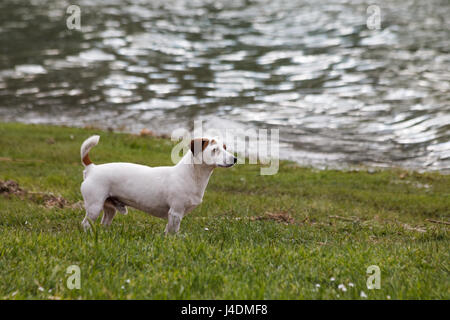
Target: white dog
point(165, 192)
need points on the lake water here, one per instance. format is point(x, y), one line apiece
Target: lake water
point(340, 94)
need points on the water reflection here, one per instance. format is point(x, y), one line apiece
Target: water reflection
point(340, 93)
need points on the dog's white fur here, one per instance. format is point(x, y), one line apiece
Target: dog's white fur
point(166, 192)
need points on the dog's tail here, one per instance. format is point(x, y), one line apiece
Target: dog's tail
point(87, 145)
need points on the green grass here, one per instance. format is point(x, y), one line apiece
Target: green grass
point(381, 221)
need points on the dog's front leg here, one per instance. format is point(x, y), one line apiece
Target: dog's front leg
point(173, 223)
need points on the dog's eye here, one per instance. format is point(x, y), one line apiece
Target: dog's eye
point(214, 150)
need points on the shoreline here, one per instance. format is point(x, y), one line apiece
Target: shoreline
point(145, 132)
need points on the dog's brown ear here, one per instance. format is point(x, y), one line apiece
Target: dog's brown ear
point(198, 145)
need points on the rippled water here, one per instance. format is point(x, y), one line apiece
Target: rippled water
point(340, 94)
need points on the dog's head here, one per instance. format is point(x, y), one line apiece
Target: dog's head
point(212, 152)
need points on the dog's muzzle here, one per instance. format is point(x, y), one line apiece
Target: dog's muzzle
point(228, 165)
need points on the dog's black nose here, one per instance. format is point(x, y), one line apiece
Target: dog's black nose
point(235, 160)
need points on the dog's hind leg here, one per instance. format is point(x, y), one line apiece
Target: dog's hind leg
point(94, 200)
point(109, 211)
point(92, 213)
point(117, 204)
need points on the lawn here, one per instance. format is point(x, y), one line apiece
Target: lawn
point(299, 234)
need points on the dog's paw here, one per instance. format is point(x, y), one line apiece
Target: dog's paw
point(86, 225)
point(122, 209)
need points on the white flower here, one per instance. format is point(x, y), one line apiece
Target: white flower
point(123, 287)
point(206, 229)
point(389, 297)
point(127, 281)
point(332, 279)
point(363, 295)
point(342, 287)
point(41, 289)
point(317, 285)
point(351, 284)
